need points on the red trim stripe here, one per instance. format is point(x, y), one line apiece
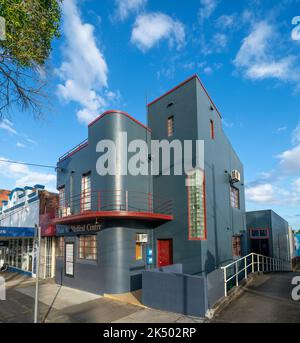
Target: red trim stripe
point(119, 112)
point(147, 216)
point(182, 84)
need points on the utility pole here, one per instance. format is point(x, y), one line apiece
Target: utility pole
point(37, 270)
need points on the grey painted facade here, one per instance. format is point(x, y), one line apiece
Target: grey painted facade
point(116, 270)
point(278, 242)
point(192, 110)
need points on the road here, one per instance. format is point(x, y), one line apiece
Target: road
point(266, 300)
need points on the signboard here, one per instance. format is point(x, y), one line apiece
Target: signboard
point(16, 231)
point(80, 228)
point(69, 259)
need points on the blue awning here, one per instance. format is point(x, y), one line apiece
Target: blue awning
point(16, 231)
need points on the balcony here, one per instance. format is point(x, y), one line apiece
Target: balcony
point(113, 205)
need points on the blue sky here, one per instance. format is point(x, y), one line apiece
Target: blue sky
point(117, 54)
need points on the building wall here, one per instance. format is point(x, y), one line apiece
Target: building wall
point(85, 160)
point(116, 269)
point(278, 229)
point(192, 115)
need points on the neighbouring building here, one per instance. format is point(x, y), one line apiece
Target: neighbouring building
point(111, 228)
point(26, 208)
point(269, 234)
point(297, 244)
point(4, 196)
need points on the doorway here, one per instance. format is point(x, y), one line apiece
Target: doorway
point(260, 246)
point(164, 252)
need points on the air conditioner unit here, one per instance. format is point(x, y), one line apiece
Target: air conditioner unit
point(235, 176)
point(142, 238)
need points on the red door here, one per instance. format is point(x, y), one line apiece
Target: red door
point(164, 252)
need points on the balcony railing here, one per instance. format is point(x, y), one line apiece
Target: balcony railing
point(113, 201)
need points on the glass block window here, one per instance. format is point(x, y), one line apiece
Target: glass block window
point(196, 205)
point(88, 247)
point(234, 197)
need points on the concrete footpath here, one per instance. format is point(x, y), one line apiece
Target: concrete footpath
point(266, 300)
point(66, 305)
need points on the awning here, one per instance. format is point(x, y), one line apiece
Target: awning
point(16, 231)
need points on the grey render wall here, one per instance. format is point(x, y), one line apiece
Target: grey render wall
point(280, 227)
point(192, 115)
point(85, 160)
point(279, 246)
point(116, 269)
point(175, 292)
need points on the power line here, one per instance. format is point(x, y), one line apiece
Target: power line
point(28, 164)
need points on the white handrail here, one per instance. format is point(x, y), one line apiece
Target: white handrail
point(259, 263)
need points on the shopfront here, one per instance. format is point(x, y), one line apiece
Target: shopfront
point(17, 248)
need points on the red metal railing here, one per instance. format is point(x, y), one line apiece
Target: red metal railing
point(73, 150)
point(118, 200)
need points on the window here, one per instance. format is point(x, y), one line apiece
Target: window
point(212, 130)
point(234, 197)
point(170, 126)
point(71, 190)
point(86, 192)
point(62, 201)
point(196, 205)
point(88, 247)
point(60, 246)
point(236, 246)
point(259, 233)
point(138, 251)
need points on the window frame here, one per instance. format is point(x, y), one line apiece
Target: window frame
point(259, 229)
point(190, 229)
point(80, 246)
point(170, 127)
point(238, 207)
point(85, 205)
point(236, 247)
point(212, 129)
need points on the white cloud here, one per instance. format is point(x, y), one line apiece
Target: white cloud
point(25, 176)
point(281, 129)
point(126, 7)
point(261, 193)
point(257, 59)
point(270, 194)
point(226, 21)
point(296, 135)
point(7, 125)
point(151, 28)
point(290, 160)
point(84, 71)
point(220, 40)
point(207, 8)
point(20, 145)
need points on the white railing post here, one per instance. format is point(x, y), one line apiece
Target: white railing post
point(258, 262)
point(252, 263)
point(237, 275)
point(246, 272)
point(225, 282)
